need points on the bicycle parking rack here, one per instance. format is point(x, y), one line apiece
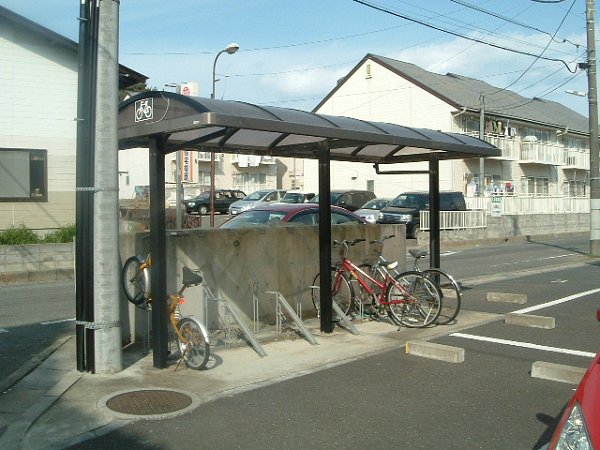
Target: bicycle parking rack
point(282, 304)
point(343, 317)
point(231, 311)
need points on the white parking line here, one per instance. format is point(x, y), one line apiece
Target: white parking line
point(3, 330)
point(52, 322)
point(556, 302)
point(523, 345)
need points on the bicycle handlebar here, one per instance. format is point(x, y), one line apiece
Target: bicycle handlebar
point(380, 241)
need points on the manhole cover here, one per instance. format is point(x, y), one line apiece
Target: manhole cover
point(149, 402)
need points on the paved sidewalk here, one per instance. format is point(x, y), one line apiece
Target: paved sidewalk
point(56, 406)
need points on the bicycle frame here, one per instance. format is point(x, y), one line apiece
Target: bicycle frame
point(364, 278)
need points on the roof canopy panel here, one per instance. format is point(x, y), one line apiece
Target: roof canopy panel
point(238, 127)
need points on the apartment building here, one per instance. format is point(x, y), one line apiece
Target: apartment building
point(545, 147)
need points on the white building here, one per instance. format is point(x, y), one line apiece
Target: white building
point(38, 128)
point(545, 147)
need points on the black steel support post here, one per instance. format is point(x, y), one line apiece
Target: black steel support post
point(158, 272)
point(84, 195)
point(325, 299)
point(434, 211)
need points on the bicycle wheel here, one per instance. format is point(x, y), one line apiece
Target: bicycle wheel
point(342, 291)
point(133, 280)
point(195, 346)
point(451, 294)
point(415, 300)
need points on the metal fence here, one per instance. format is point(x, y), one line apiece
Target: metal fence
point(479, 208)
point(456, 220)
point(529, 204)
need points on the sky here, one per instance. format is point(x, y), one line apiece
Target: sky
point(293, 52)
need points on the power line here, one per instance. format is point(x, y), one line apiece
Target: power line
point(515, 22)
point(443, 30)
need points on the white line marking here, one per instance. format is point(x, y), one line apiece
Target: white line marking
point(57, 321)
point(557, 302)
point(524, 345)
point(3, 330)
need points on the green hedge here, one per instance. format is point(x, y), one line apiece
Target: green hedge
point(22, 235)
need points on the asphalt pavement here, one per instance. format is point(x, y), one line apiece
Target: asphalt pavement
point(56, 407)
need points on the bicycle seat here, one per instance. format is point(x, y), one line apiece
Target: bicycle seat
point(418, 253)
point(191, 278)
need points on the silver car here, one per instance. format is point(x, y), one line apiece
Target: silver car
point(370, 210)
point(257, 198)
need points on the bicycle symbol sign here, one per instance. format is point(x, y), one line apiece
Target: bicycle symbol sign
point(144, 109)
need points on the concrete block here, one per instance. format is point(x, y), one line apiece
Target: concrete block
point(529, 320)
point(557, 372)
point(20, 277)
point(436, 351)
point(42, 275)
point(506, 297)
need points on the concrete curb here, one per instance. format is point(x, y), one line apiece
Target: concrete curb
point(557, 372)
point(439, 352)
point(505, 297)
point(529, 320)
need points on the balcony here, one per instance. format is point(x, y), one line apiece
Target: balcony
point(577, 159)
point(509, 146)
point(205, 156)
point(535, 152)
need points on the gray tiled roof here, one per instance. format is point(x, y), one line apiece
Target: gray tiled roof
point(461, 91)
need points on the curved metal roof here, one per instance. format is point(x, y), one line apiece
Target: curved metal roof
point(237, 127)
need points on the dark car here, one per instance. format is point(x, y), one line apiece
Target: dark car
point(349, 199)
point(406, 208)
point(289, 214)
point(223, 199)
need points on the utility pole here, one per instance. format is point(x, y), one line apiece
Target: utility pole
point(480, 185)
point(594, 148)
point(108, 357)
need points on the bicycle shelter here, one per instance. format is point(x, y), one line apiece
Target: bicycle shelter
point(166, 122)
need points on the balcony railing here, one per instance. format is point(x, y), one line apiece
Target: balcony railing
point(542, 153)
point(536, 152)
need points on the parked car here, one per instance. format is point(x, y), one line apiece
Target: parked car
point(297, 196)
point(370, 210)
point(223, 199)
point(291, 214)
point(406, 208)
point(579, 426)
point(348, 199)
point(257, 198)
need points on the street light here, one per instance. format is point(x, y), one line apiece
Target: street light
point(230, 49)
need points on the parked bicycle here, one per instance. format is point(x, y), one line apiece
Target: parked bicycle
point(450, 288)
point(410, 298)
point(193, 339)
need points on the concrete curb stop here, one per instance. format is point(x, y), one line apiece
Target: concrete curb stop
point(557, 372)
point(436, 351)
point(529, 320)
point(504, 297)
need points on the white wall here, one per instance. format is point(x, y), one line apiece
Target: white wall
point(385, 97)
point(38, 107)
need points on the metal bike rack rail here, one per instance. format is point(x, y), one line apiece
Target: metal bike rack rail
point(282, 303)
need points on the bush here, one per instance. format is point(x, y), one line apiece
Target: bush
point(22, 235)
point(18, 235)
point(62, 235)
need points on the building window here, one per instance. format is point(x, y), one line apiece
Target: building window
point(23, 175)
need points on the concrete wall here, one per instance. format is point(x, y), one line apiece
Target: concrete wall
point(36, 262)
point(238, 263)
point(512, 227)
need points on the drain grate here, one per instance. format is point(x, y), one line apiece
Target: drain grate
point(149, 402)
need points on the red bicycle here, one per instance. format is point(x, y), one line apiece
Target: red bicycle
point(410, 298)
